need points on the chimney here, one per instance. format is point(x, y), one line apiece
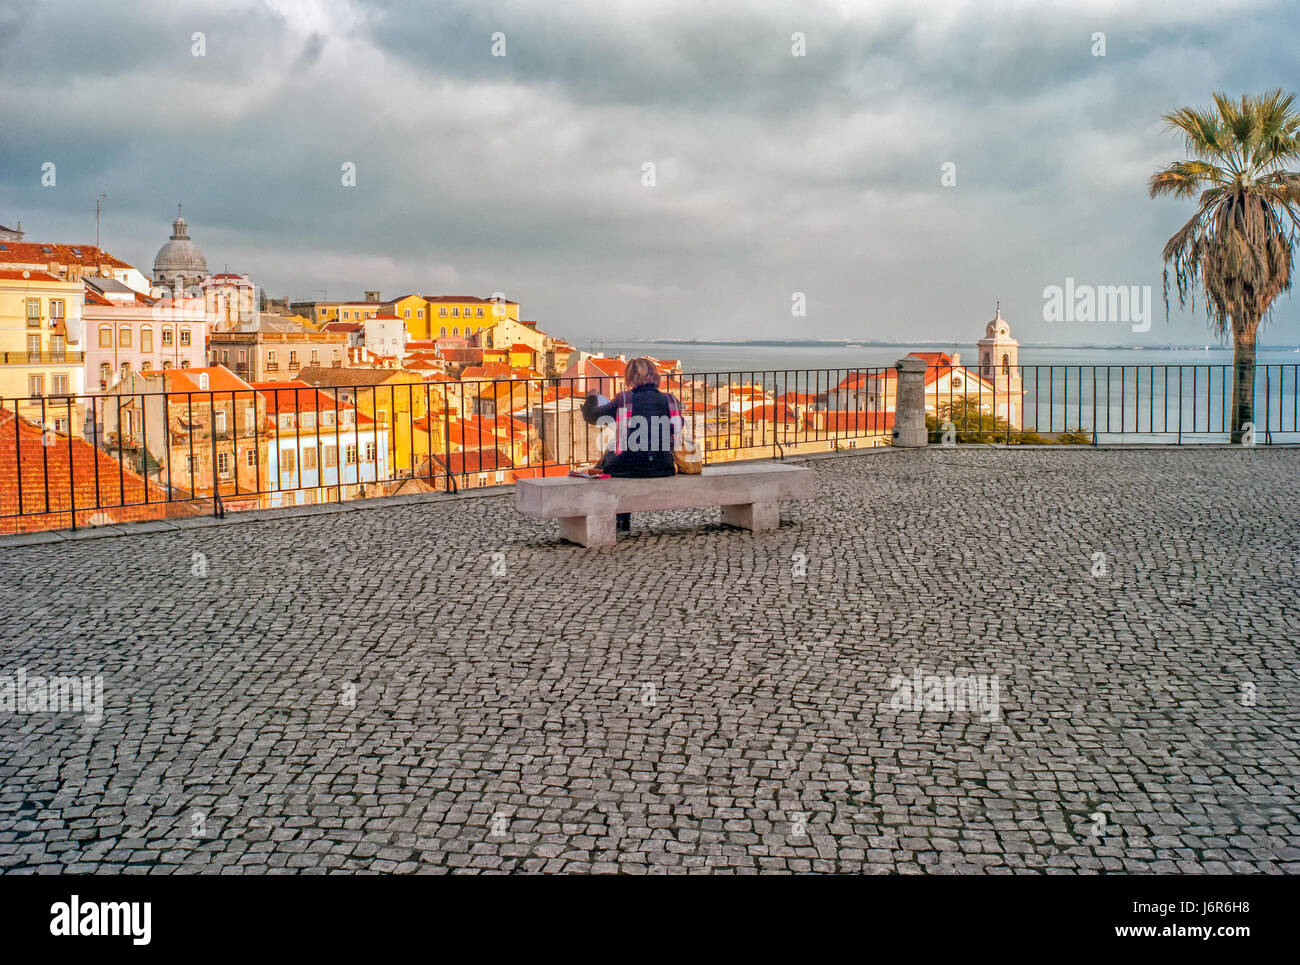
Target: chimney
point(372, 296)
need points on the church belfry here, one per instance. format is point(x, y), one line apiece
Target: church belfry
point(999, 356)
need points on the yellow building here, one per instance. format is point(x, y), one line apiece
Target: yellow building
point(451, 316)
point(42, 355)
point(394, 398)
point(321, 313)
point(414, 311)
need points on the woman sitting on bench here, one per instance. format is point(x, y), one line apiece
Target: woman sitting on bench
point(647, 427)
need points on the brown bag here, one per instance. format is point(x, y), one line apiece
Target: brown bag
point(689, 458)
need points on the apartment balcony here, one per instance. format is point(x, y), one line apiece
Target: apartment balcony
point(67, 356)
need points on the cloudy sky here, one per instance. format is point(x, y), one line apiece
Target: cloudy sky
point(523, 173)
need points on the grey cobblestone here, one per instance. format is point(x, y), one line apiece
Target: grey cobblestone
point(357, 691)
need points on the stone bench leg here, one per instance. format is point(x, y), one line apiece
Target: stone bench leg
point(594, 530)
point(758, 517)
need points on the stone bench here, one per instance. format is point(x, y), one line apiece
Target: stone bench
point(749, 494)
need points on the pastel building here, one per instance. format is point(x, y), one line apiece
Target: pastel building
point(321, 449)
point(41, 340)
point(127, 332)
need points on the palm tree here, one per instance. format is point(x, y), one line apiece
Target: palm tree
point(1237, 248)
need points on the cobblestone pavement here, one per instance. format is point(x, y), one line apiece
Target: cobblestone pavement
point(379, 690)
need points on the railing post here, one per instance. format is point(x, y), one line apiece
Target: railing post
point(909, 409)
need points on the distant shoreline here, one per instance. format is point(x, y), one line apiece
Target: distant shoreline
point(877, 343)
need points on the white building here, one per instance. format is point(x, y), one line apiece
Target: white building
point(321, 448)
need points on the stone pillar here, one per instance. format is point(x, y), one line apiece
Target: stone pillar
point(909, 404)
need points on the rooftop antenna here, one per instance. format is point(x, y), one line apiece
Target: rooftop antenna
point(99, 208)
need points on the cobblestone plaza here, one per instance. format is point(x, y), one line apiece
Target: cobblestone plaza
point(439, 684)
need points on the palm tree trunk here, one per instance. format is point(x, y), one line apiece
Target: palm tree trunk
point(1243, 383)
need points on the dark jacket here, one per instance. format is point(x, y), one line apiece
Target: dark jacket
point(647, 428)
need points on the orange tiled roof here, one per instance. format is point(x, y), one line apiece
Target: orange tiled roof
point(220, 379)
point(610, 367)
point(34, 253)
point(851, 421)
point(70, 467)
point(473, 460)
point(16, 274)
point(769, 413)
point(294, 396)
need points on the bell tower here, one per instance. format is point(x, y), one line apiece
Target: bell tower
point(999, 355)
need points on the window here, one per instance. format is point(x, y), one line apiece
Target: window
point(370, 452)
point(455, 312)
point(61, 424)
point(223, 463)
point(293, 360)
point(167, 364)
point(106, 336)
point(286, 460)
point(225, 356)
point(146, 339)
point(382, 417)
point(331, 457)
point(327, 418)
point(35, 385)
point(185, 336)
point(56, 308)
point(286, 421)
point(105, 373)
point(347, 314)
point(443, 332)
point(270, 357)
point(443, 312)
point(315, 357)
point(126, 371)
point(350, 454)
point(124, 337)
point(406, 313)
point(33, 313)
point(419, 313)
point(220, 419)
point(185, 363)
point(479, 313)
point(250, 457)
point(59, 384)
point(455, 331)
point(250, 419)
point(34, 347)
point(166, 337)
point(309, 458)
point(309, 420)
point(146, 366)
point(1006, 365)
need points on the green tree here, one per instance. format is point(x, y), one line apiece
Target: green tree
point(1237, 247)
point(973, 423)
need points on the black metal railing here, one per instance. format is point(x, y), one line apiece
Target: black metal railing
point(1104, 404)
point(121, 456)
